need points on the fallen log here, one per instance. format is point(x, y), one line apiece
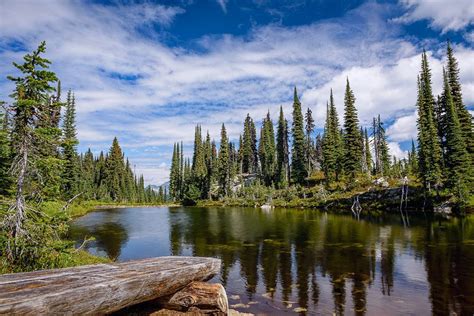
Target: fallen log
point(102, 288)
point(208, 299)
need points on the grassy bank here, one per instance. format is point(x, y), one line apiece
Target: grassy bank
point(339, 199)
point(61, 253)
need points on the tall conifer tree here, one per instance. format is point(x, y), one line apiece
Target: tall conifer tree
point(352, 139)
point(298, 154)
point(223, 163)
point(283, 168)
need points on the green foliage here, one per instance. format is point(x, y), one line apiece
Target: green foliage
point(429, 153)
point(332, 146)
point(282, 152)
point(458, 163)
point(267, 151)
point(223, 164)
point(298, 158)
point(249, 147)
point(352, 139)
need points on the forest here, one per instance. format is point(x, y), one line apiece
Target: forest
point(344, 158)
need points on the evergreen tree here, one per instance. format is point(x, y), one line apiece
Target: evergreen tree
point(413, 159)
point(199, 170)
point(267, 152)
point(209, 166)
point(352, 139)
point(298, 157)
point(465, 118)
point(382, 156)
point(332, 143)
point(174, 173)
point(114, 171)
point(429, 153)
point(88, 186)
point(309, 129)
point(249, 150)
point(30, 95)
point(5, 155)
point(70, 175)
point(458, 164)
point(368, 154)
point(223, 163)
point(282, 167)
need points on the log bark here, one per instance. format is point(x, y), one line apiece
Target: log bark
point(203, 297)
point(102, 288)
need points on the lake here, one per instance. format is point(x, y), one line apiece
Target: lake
point(283, 262)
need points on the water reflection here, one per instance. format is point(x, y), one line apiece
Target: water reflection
point(306, 261)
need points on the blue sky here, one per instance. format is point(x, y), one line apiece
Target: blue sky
point(148, 71)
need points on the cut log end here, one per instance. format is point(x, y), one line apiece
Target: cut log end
point(200, 297)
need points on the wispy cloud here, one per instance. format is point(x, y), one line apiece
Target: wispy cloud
point(129, 83)
point(443, 15)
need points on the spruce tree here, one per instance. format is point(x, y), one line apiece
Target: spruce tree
point(332, 143)
point(298, 153)
point(70, 175)
point(282, 167)
point(223, 164)
point(267, 152)
point(199, 170)
point(174, 173)
point(352, 139)
point(87, 183)
point(249, 150)
point(465, 118)
point(458, 163)
point(309, 129)
point(429, 153)
point(114, 171)
point(31, 93)
point(5, 154)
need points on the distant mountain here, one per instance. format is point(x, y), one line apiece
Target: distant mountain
point(156, 188)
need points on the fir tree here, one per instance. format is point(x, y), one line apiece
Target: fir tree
point(199, 170)
point(223, 163)
point(282, 167)
point(465, 118)
point(70, 175)
point(352, 139)
point(249, 150)
point(458, 163)
point(309, 129)
point(332, 143)
point(30, 95)
point(114, 171)
point(298, 157)
point(267, 152)
point(5, 155)
point(429, 153)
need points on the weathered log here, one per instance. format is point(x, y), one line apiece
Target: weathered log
point(101, 288)
point(200, 296)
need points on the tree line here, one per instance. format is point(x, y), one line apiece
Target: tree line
point(38, 145)
point(441, 158)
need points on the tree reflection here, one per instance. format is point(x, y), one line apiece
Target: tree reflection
point(295, 250)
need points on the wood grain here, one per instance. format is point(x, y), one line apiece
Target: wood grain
point(102, 288)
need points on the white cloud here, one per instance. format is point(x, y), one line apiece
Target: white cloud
point(404, 128)
point(450, 15)
point(395, 150)
point(170, 89)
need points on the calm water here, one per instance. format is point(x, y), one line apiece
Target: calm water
point(283, 261)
